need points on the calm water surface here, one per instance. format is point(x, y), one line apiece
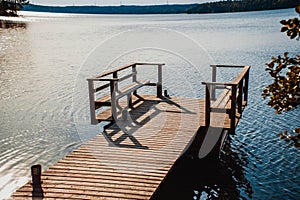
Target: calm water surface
point(41, 59)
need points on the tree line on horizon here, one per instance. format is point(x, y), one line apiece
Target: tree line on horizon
point(10, 7)
point(243, 5)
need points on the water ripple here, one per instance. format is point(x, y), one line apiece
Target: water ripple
point(39, 62)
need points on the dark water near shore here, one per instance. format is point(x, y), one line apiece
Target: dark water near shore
point(45, 58)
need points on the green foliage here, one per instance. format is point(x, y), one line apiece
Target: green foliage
point(10, 7)
point(295, 138)
point(291, 27)
point(284, 92)
point(243, 5)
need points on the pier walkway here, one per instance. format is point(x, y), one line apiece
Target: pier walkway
point(145, 136)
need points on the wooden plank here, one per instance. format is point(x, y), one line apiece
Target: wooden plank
point(228, 66)
point(100, 169)
point(141, 63)
point(105, 115)
point(102, 87)
point(109, 72)
point(116, 70)
point(241, 75)
point(222, 101)
point(233, 105)
point(102, 101)
point(130, 88)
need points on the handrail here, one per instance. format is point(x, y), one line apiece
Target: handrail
point(141, 63)
point(238, 95)
point(102, 79)
point(116, 70)
point(228, 66)
point(236, 81)
point(122, 68)
point(241, 75)
point(113, 83)
point(219, 83)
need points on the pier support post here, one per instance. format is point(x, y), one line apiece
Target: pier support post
point(37, 191)
point(36, 172)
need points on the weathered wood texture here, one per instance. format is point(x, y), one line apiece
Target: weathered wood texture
point(128, 162)
point(147, 134)
point(116, 165)
point(233, 99)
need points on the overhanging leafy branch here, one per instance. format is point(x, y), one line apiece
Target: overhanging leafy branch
point(284, 92)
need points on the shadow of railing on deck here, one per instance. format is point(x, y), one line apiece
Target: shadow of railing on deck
point(137, 118)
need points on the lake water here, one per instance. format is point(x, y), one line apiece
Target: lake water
point(45, 58)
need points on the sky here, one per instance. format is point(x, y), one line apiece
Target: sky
point(114, 2)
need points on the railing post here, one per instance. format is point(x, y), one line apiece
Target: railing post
point(159, 81)
point(37, 190)
point(113, 99)
point(36, 171)
point(240, 96)
point(129, 101)
point(207, 106)
point(233, 107)
point(134, 73)
point(134, 78)
point(246, 86)
point(115, 75)
point(213, 79)
point(92, 102)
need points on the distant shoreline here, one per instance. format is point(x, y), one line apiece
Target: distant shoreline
point(123, 9)
point(144, 9)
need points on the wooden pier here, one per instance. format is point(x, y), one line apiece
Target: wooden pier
point(145, 136)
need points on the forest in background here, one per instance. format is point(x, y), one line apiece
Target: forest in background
point(243, 5)
point(214, 7)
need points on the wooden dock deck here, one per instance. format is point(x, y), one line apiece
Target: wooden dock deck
point(131, 157)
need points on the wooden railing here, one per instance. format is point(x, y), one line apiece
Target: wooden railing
point(112, 80)
point(234, 98)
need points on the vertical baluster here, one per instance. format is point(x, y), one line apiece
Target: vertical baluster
point(207, 106)
point(246, 86)
point(113, 100)
point(213, 79)
point(159, 81)
point(134, 76)
point(240, 96)
point(232, 114)
point(92, 102)
point(134, 72)
point(115, 75)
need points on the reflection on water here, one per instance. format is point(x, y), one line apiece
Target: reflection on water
point(207, 179)
point(35, 122)
point(41, 56)
point(12, 24)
